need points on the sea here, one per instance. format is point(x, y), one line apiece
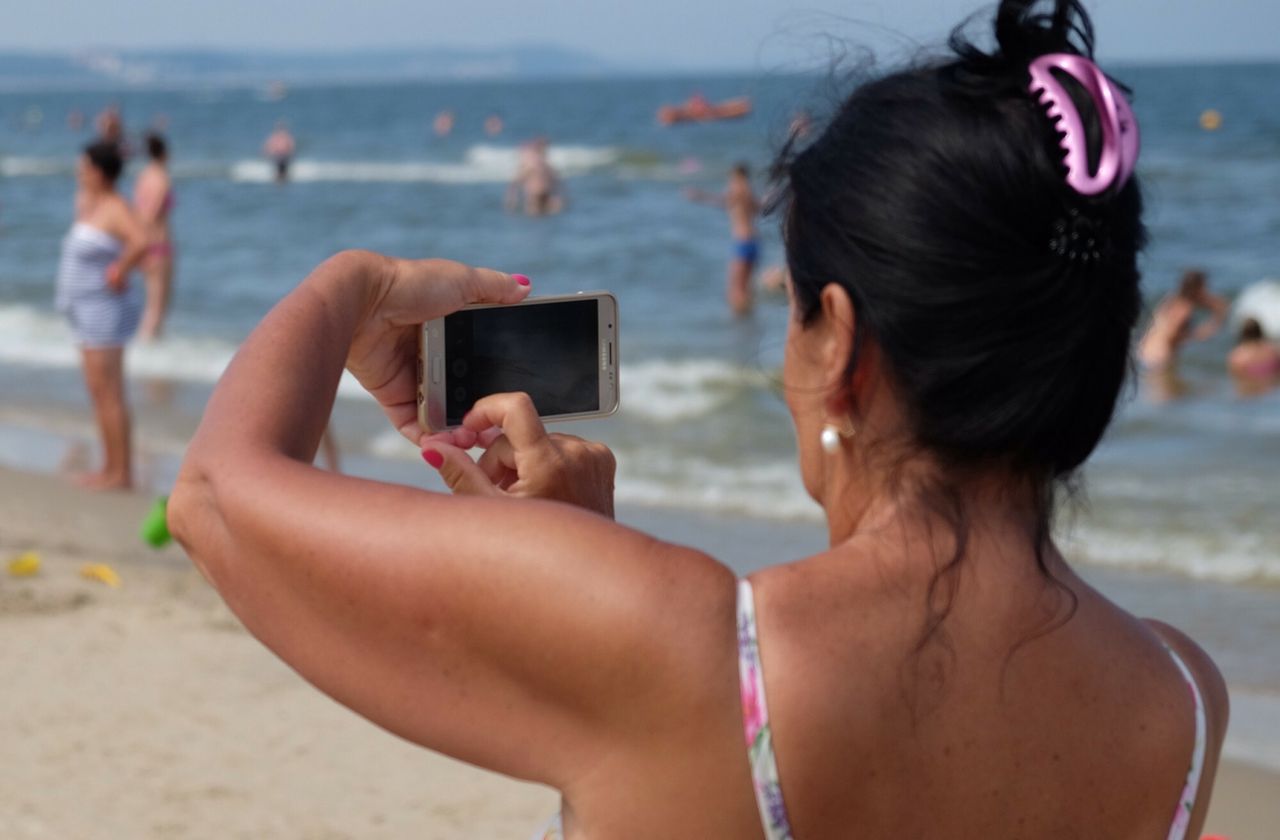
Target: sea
point(1186, 490)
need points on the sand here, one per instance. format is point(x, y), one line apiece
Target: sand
point(146, 711)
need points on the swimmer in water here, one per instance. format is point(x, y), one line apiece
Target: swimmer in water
point(280, 147)
point(538, 180)
point(443, 123)
point(1254, 364)
point(1173, 323)
point(493, 125)
point(740, 203)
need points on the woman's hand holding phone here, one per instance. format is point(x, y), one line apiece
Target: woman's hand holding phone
point(406, 294)
point(521, 459)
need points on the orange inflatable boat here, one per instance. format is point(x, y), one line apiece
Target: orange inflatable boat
point(698, 109)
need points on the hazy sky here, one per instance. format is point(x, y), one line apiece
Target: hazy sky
point(685, 33)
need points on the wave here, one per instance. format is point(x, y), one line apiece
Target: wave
point(480, 164)
point(1219, 555)
point(37, 338)
point(36, 167)
point(670, 391)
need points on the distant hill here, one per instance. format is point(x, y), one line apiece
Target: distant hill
point(169, 67)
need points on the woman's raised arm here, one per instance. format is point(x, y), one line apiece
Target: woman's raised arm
point(528, 637)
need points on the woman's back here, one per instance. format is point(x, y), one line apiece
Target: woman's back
point(987, 728)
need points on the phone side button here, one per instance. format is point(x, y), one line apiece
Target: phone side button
point(437, 369)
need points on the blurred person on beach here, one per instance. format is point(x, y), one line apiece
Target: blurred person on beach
point(740, 203)
point(536, 182)
point(280, 147)
point(939, 671)
point(1173, 322)
point(153, 201)
point(102, 308)
point(1254, 363)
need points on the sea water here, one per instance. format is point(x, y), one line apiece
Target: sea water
point(1188, 487)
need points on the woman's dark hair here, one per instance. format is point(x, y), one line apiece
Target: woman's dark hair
point(1250, 330)
point(106, 158)
point(157, 148)
point(936, 197)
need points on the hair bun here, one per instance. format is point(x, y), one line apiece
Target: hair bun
point(1025, 31)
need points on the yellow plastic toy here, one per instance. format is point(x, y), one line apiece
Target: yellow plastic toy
point(26, 564)
point(102, 573)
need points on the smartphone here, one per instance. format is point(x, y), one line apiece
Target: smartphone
point(561, 350)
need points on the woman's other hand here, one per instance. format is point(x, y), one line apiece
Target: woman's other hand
point(403, 295)
point(521, 459)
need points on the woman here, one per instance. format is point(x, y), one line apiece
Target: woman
point(153, 198)
point(104, 244)
point(1254, 364)
point(960, 329)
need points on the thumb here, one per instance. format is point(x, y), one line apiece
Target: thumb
point(488, 286)
point(463, 475)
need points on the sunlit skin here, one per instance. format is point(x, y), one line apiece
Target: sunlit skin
point(516, 626)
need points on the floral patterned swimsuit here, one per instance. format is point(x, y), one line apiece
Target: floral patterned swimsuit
point(764, 763)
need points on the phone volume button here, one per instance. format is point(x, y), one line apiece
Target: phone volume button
point(437, 369)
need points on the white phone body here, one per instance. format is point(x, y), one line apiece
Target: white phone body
point(565, 356)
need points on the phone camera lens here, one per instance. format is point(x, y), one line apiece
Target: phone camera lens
point(459, 367)
point(460, 394)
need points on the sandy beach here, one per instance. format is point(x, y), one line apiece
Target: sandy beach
point(146, 711)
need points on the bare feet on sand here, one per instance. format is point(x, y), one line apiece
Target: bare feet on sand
point(102, 481)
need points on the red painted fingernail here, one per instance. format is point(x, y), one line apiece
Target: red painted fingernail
point(433, 458)
point(521, 279)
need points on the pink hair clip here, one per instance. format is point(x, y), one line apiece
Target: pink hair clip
point(1120, 141)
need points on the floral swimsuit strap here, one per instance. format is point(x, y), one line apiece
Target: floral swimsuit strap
point(764, 764)
point(755, 720)
point(1187, 802)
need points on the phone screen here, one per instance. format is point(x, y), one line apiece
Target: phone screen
point(550, 351)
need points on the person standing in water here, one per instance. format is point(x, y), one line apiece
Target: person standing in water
point(280, 147)
point(742, 207)
point(93, 292)
point(110, 126)
point(538, 180)
point(153, 201)
point(1172, 324)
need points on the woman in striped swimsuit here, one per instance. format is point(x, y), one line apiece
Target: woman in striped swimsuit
point(963, 298)
point(103, 309)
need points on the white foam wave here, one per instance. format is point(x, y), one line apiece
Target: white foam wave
point(312, 171)
point(671, 391)
point(482, 164)
point(769, 490)
point(36, 338)
point(35, 167)
point(1210, 554)
point(569, 160)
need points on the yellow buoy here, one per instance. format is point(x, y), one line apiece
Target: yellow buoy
point(1211, 120)
point(25, 564)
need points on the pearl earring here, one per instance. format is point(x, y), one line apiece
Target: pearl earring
point(830, 439)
